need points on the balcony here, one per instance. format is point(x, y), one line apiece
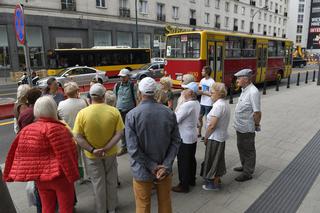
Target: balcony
point(217, 25)
point(253, 3)
point(235, 28)
point(264, 32)
point(68, 5)
point(284, 35)
point(161, 17)
point(124, 12)
point(285, 14)
point(193, 21)
point(251, 30)
point(276, 11)
point(274, 34)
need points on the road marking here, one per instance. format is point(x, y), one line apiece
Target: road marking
point(6, 94)
point(6, 123)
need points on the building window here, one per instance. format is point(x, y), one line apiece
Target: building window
point(251, 12)
point(144, 40)
point(242, 24)
point(124, 39)
point(68, 5)
point(278, 31)
point(217, 21)
point(192, 14)
point(35, 45)
point(299, 29)
point(280, 11)
point(143, 6)
point(298, 39)
point(275, 19)
point(175, 12)
point(279, 20)
point(217, 4)
point(260, 2)
point(301, 0)
point(100, 3)
point(301, 8)
point(271, 5)
point(259, 16)
point(4, 48)
point(206, 18)
point(300, 18)
point(227, 6)
point(235, 22)
point(264, 28)
point(269, 31)
point(243, 10)
point(235, 9)
point(270, 18)
point(226, 22)
point(207, 3)
point(274, 30)
point(102, 38)
point(265, 16)
point(123, 3)
point(259, 28)
point(160, 12)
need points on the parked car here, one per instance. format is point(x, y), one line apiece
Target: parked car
point(153, 70)
point(299, 62)
point(82, 75)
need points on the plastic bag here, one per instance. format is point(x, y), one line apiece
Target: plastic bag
point(30, 193)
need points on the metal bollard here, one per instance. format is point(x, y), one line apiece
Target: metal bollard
point(288, 83)
point(314, 76)
point(264, 88)
point(307, 76)
point(277, 84)
point(298, 79)
point(231, 95)
point(318, 80)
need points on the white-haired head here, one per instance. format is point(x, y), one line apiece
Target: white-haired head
point(22, 90)
point(187, 78)
point(110, 98)
point(45, 107)
point(71, 89)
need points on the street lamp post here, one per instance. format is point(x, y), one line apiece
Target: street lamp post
point(136, 8)
point(252, 17)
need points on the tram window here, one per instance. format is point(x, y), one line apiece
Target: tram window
point(184, 46)
point(248, 48)
point(272, 48)
point(233, 47)
point(280, 48)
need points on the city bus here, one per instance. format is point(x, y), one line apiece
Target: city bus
point(226, 53)
point(109, 59)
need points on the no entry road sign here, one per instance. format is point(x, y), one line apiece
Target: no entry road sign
point(19, 24)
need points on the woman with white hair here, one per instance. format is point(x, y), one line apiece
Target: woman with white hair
point(53, 151)
point(165, 94)
point(20, 104)
point(186, 79)
point(214, 165)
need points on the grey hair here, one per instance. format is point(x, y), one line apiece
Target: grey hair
point(187, 78)
point(110, 98)
point(167, 82)
point(220, 88)
point(45, 107)
point(22, 90)
point(71, 89)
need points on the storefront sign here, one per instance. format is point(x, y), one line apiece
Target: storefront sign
point(172, 29)
point(314, 26)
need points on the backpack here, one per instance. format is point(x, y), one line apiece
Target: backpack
point(131, 85)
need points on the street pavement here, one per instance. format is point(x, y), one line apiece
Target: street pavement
point(290, 118)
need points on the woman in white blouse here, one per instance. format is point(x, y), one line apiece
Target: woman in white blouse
point(216, 134)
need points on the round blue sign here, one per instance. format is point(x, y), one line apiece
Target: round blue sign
point(19, 24)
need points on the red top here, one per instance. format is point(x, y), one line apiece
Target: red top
point(26, 117)
point(42, 151)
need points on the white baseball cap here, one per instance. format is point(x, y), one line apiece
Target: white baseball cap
point(97, 90)
point(124, 73)
point(148, 86)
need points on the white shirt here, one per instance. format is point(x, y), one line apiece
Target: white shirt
point(187, 118)
point(206, 85)
point(221, 110)
point(69, 108)
point(249, 102)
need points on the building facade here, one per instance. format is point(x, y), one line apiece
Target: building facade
point(298, 22)
point(87, 23)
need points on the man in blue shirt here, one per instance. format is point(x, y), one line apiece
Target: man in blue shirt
point(126, 100)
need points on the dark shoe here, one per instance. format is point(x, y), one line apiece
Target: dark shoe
point(243, 177)
point(178, 188)
point(122, 151)
point(238, 169)
point(199, 136)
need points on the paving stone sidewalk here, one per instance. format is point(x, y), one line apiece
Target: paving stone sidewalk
point(290, 118)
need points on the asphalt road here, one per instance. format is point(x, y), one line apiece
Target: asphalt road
point(6, 126)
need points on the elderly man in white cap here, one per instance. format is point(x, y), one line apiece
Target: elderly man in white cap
point(246, 122)
point(126, 100)
point(153, 140)
point(187, 118)
point(97, 129)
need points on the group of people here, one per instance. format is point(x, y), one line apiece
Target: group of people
point(62, 135)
